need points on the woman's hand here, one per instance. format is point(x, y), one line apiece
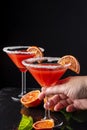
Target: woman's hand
point(70, 93)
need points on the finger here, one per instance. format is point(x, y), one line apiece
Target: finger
point(60, 88)
point(57, 99)
point(55, 90)
point(69, 101)
point(41, 96)
point(63, 96)
point(43, 89)
point(80, 104)
point(70, 108)
point(60, 105)
point(52, 101)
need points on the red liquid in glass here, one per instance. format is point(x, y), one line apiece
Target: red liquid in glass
point(47, 77)
point(17, 59)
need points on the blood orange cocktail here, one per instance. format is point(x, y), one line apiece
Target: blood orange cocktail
point(17, 54)
point(46, 70)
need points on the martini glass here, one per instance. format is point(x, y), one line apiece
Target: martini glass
point(46, 72)
point(17, 54)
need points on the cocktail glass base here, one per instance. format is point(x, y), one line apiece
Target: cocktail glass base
point(57, 123)
point(15, 99)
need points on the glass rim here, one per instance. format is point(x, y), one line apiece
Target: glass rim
point(29, 63)
point(8, 49)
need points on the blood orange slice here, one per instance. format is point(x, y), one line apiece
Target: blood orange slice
point(31, 99)
point(75, 66)
point(44, 125)
point(36, 50)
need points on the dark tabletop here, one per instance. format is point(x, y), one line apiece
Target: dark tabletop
point(11, 113)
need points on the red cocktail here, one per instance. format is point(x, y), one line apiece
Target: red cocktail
point(17, 54)
point(47, 72)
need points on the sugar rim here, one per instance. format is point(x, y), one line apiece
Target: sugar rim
point(8, 49)
point(29, 63)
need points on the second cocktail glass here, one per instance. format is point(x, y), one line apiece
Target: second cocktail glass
point(46, 72)
point(17, 54)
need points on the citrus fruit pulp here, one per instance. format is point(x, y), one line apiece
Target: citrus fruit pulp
point(36, 50)
point(31, 99)
point(44, 125)
point(74, 64)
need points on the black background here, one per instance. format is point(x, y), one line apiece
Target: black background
point(59, 26)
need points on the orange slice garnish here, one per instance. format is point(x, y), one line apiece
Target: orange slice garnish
point(36, 50)
point(31, 99)
point(44, 124)
point(74, 64)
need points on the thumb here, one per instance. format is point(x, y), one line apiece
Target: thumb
point(58, 89)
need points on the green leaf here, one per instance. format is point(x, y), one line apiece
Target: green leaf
point(68, 127)
point(67, 115)
point(25, 123)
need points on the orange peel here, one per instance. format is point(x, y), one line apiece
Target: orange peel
point(74, 64)
point(31, 99)
point(35, 50)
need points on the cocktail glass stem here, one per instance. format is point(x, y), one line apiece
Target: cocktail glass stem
point(47, 112)
point(23, 86)
point(24, 82)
